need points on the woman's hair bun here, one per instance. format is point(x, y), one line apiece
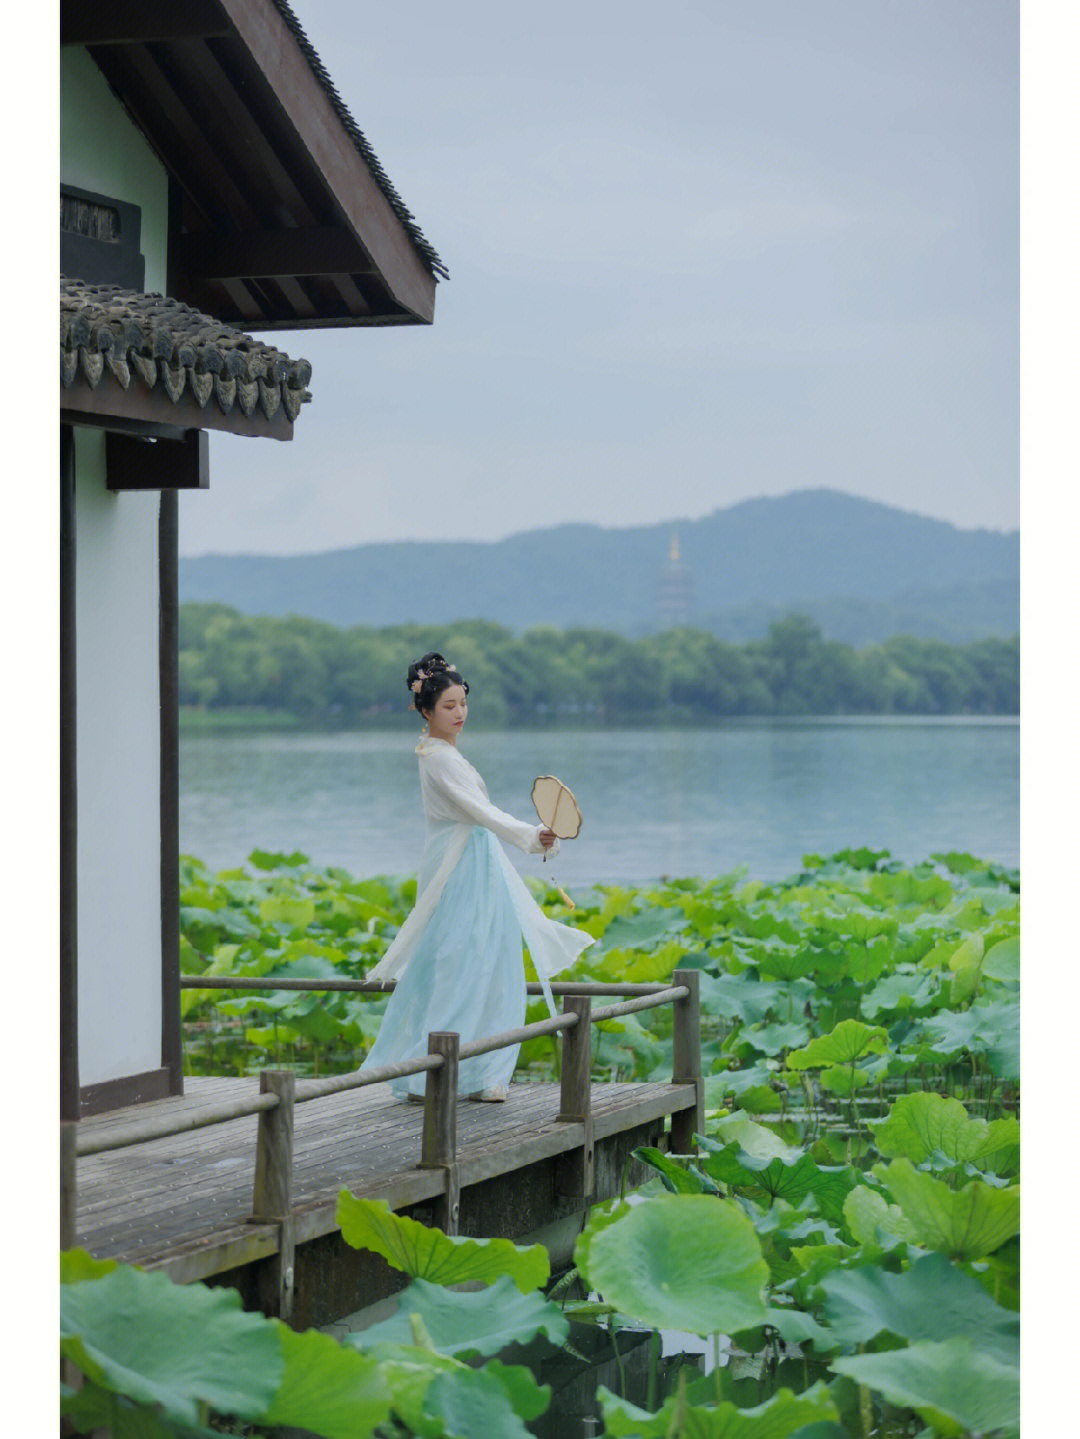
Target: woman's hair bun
point(428, 677)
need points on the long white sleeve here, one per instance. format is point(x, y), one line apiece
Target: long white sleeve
point(453, 791)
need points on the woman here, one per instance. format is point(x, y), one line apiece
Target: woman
point(457, 958)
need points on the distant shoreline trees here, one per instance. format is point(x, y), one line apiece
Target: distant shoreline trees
point(316, 674)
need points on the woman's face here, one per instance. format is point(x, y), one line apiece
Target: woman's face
point(447, 715)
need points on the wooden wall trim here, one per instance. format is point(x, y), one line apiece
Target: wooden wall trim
point(168, 680)
point(82, 405)
point(69, 915)
point(118, 1093)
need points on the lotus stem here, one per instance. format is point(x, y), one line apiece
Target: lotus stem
point(654, 1360)
point(618, 1357)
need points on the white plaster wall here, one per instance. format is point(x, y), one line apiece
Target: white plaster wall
point(118, 758)
point(104, 151)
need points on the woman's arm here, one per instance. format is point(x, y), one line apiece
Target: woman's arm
point(456, 789)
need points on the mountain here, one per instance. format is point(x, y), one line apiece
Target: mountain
point(863, 570)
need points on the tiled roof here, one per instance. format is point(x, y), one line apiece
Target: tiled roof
point(105, 330)
point(318, 69)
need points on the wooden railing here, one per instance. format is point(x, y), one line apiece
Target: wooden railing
point(280, 1092)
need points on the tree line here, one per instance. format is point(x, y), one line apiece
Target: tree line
point(320, 674)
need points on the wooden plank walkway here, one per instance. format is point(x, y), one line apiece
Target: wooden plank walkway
point(181, 1203)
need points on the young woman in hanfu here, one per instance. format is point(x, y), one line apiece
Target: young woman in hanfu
point(457, 958)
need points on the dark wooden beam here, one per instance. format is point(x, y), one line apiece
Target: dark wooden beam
point(133, 462)
point(133, 22)
point(258, 254)
point(103, 406)
point(320, 132)
point(186, 151)
point(169, 728)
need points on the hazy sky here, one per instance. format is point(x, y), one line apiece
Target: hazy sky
point(698, 252)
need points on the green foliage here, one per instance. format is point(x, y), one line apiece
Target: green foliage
point(483, 1322)
point(307, 672)
point(966, 1223)
point(429, 1254)
point(783, 1415)
point(954, 1386)
point(170, 1347)
point(677, 1261)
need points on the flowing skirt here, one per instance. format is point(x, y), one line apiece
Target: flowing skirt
point(465, 975)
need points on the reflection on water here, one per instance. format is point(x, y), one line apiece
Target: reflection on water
point(655, 802)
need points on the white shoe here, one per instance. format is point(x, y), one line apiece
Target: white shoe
point(495, 1095)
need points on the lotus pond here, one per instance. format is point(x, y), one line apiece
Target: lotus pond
point(844, 1238)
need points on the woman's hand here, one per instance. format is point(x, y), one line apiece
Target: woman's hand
point(547, 838)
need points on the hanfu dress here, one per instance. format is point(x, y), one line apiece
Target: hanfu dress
point(457, 958)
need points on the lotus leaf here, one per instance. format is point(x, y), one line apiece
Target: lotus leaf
point(1000, 1025)
point(999, 1151)
point(757, 1139)
point(872, 1220)
point(918, 1124)
point(483, 1322)
point(948, 1032)
point(841, 1079)
point(794, 1326)
point(931, 1300)
point(737, 1082)
point(292, 913)
point(748, 1000)
point(328, 1389)
point(1002, 961)
point(77, 1265)
point(905, 888)
point(778, 1418)
point(489, 1401)
point(849, 1041)
point(790, 1179)
point(173, 1345)
point(679, 1178)
point(642, 930)
point(777, 960)
point(966, 1223)
point(275, 859)
point(770, 1039)
point(902, 990)
point(688, 1262)
point(966, 965)
point(429, 1254)
point(951, 1385)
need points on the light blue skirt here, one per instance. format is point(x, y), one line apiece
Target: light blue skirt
point(466, 976)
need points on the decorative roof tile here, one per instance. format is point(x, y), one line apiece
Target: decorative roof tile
point(128, 333)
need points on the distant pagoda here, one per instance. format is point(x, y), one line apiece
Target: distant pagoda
point(674, 590)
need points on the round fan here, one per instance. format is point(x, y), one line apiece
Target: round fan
point(559, 812)
point(556, 806)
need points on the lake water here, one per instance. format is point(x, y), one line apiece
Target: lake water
point(655, 802)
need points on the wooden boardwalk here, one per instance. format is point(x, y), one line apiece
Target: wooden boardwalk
point(181, 1203)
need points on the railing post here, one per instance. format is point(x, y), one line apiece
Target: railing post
point(438, 1149)
point(686, 1061)
point(69, 1129)
point(575, 1175)
point(272, 1196)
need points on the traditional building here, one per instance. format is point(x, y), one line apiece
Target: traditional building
point(213, 183)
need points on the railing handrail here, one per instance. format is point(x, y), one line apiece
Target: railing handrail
point(309, 1089)
point(387, 986)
